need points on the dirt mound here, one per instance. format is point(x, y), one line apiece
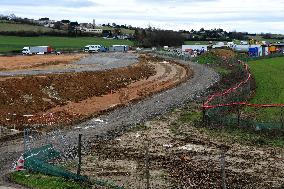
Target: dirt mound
point(22, 97)
point(223, 53)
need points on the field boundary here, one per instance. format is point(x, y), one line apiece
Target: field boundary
point(225, 103)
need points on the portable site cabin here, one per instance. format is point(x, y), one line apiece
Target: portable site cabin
point(119, 48)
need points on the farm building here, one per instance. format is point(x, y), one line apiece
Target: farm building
point(90, 30)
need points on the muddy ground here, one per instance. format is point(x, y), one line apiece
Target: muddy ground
point(182, 156)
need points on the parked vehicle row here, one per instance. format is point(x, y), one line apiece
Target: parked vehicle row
point(88, 48)
point(39, 50)
point(100, 48)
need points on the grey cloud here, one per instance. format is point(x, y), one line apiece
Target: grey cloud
point(49, 3)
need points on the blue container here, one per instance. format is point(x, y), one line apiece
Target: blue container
point(253, 52)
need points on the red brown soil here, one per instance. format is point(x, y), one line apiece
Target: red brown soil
point(26, 62)
point(225, 53)
point(64, 98)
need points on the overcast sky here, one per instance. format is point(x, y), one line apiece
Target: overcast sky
point(240, 15)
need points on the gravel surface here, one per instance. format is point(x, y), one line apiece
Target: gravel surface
point(124, 118)
point(95, 62)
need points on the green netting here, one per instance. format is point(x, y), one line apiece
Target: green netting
point(44, 153)
point(37, 160)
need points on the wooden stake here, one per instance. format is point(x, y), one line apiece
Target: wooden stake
point(223, 168)
point(147, 171)
point(79, 155)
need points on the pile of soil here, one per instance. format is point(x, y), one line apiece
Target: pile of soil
point(22, 97)
point(223, 53)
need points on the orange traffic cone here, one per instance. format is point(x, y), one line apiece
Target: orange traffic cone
point(20, 164)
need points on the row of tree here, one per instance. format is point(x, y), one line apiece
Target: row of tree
point(154, 38)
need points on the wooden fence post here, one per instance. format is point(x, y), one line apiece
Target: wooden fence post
point(281, 117)
point(223, 161)
point(239, 114)
point(79, 154)
point(147, 171)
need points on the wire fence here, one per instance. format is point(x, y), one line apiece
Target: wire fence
point(47, 153)
point(231, 107)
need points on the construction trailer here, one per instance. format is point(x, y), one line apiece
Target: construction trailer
point(119, 48)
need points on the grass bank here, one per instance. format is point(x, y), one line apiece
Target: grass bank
point(40, 181)
point(268, 74)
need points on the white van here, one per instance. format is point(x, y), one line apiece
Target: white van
point(93, 48)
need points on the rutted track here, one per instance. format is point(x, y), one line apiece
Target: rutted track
point(123, 118)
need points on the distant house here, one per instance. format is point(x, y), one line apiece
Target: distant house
point(86, 25)
point(97, 31)
point(65, 21)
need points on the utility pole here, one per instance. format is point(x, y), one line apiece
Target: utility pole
point(79, 155)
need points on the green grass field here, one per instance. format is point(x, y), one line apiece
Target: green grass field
point(198, 42)
point(123, 31)
point(8, 27)
point(260, 38)
point(14, 43)
point(269, 76)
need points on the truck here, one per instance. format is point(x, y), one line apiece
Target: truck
point(37, 50)
point(95, 48)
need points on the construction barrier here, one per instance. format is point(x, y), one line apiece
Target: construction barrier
point(20, 164)
point(224, 108)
